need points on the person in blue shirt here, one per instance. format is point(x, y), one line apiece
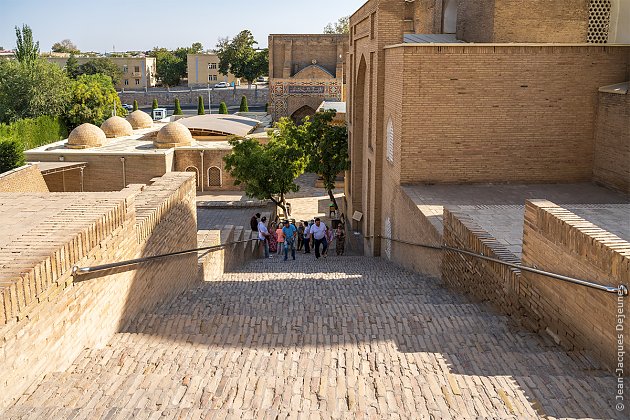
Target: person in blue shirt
point(290, 236)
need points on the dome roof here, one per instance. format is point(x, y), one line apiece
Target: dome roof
point(172, 135)
point(86, 136)
point(117, 127)
point(139, 119)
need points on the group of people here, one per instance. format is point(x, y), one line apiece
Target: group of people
point(288, 236)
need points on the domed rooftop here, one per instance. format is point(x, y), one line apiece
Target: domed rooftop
point(86, 136)
point(117, 127)
point(173, 135)
point(139, 119)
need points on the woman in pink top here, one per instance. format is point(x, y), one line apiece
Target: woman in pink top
point(280, 236)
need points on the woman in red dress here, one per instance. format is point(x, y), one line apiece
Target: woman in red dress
point(273, 238)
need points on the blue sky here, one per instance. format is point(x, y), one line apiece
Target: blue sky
point(142, 25)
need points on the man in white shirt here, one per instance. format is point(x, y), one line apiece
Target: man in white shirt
point(318, 231)
point(263, 234)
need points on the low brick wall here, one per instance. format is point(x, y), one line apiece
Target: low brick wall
point(26, 178)
point(577, 317)
point(485, 280)
point(47, 317)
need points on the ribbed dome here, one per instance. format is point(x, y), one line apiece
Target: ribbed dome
point(173, 135)
point(86, 136)
point(139, 119)
point(117, 127)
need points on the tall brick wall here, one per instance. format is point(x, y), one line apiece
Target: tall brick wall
point(558, 21)
point(498, 113)
point(46, 316)
point(27, 178)
point(556, 240)
point(611, 165)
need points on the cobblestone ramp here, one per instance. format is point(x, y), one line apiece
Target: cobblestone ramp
point(348, 337)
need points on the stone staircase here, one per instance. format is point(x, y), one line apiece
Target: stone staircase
point(336, 338)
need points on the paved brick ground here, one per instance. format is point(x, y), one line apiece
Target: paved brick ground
point(348, 337)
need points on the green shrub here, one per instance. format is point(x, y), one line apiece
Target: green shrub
point(178, 108)
point(35, 132)
point(244, 107)
point(223, 109)
point(155, 104)
point(200, 108)
point(11, 155)
point(135, 105)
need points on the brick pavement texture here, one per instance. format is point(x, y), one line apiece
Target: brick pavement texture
point(348, 337)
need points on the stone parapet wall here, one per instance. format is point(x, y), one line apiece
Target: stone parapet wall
point(230, 96)
point(26, 178)
point(612, 142)
point(47, 316)
point(485, 280)
point(580, 318)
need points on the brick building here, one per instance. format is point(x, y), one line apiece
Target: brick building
point(305, 70)
point(195, 144)
point(426, 107)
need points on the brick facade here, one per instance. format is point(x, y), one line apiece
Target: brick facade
point(304, 71)
point(612, 141)
point(24, 179)
point(213, 167)
point(46, 316)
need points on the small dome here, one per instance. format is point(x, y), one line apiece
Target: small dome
point(173, 135)
point(117, 127)
point(86, 136)
point(139, 119)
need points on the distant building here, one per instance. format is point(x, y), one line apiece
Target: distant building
point(203, 70)
point(7, 54)
point(137, 72)
point(305, 70)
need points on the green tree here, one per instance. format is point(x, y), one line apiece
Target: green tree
point(223, 109)
point(178, 108)
point(11, 154)
point(93, 100)
point(244, 107)
point(200, 108)
point(135, 105)
point(342, 26)
point(72, 67)
point(154, 104)
point(27, 50)
point(239, 57)
point(32, 90)
point(173, 65)
point(325, 145)
point(65, 46)
point(267, 172)
point(104, 66)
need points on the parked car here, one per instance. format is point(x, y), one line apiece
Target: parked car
point(222, 85)
point(128, 107)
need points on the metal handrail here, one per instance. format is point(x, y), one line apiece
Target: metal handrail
point(76, 270)
point(619, 290)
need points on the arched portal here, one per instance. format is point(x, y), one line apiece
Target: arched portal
point(301, 113)
point(196, 172)
point(357, 142)
point(214, 177)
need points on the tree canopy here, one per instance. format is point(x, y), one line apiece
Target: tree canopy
point(267, 172)
point(104, 66)
point(26, 50)
point(342, 26)
point(239, 57)
point(326, 148)
point(173, 65)
point(32, 90)
point(65, 46)
point(93, 100)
